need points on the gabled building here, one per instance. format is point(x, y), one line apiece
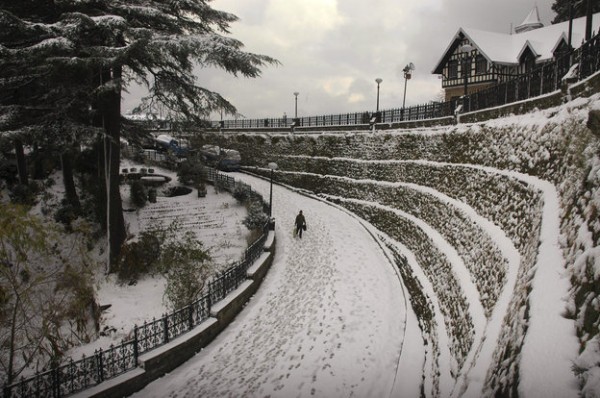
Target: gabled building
point(488, 58)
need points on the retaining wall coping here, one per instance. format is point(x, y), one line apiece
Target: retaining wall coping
point(182, 339)
point(261, 262)
point(270, 241)
point(223, 304)
point(107, 385)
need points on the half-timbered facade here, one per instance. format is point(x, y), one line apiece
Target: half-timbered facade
point(477, 59)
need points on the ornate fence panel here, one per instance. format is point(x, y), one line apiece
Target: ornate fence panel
point(150, 335)
point(549, 81)
point(179, 322)
point(227, 281)
point(589, 57)
point(41, 385)
point(256, 249)
point(81, 375)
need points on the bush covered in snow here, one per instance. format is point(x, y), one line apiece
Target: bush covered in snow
point(256, 218)
point(138, 193)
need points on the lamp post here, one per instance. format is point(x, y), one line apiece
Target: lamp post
point(296, 105)
point(273, 167)
point(378, 81)
point(407, 74)
point(466, 50)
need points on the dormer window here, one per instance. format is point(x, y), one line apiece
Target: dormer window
point(529, 64)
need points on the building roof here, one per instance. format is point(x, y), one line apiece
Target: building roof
point(506, 49)
point(532, 21)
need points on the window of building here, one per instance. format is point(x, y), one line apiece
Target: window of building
point(480, 65)
point(529, 64)
point(466, 66)
point(527, 61)
point(452, 69)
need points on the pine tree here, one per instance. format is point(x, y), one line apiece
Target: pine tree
point(579, 8)
point(84, 53)
point(40, 104)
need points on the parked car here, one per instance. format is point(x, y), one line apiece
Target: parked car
point(167, 143)
point(221, 158)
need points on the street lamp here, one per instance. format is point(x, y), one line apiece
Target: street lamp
point(407, 74)
point(466, 49)
point(273, 167)
point(296, 108)
point(378, 81)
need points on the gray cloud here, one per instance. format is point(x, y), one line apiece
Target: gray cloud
point(332, 50)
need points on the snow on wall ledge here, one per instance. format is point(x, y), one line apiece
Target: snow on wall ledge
point(500, 219)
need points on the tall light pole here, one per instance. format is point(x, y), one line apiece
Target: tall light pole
point(378, 81)
point(296, 106)
point(466, 50)
point(273, 167)
point(407, 74)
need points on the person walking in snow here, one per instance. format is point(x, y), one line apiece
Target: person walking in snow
point(300, 224)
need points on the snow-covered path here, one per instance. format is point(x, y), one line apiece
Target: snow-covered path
point(329, 320)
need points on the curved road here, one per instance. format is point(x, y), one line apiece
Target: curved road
point(328, 321)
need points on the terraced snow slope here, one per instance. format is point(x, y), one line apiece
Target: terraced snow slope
point(492, 228)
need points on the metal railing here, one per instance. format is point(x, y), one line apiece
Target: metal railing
point(542, 80)
point(76, 376)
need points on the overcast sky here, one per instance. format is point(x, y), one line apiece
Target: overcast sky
point(331, 51)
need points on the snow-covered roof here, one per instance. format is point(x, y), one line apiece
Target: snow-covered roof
point(532, 21)
point(503, 48)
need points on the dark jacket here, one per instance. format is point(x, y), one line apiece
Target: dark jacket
point(300, 221)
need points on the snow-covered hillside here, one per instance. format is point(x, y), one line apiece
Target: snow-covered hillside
point(494, 228)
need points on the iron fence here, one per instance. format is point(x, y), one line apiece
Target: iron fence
point(76, 376)
point(539, 81)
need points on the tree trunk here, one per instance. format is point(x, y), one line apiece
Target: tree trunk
point(21, 162)
point(66, 160)
point(38, 166)
point(111, 113)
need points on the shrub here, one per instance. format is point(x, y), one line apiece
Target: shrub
point(191, 172)
point(256, 217)
point(187, 266)
point(220, 185)
point(38, 297)
point(66, 214)
point(8, 172)
point(139, 195)
point(241, 193)
point(152, 195)
point(83, 300)
point(23, 194)
point(141, 257)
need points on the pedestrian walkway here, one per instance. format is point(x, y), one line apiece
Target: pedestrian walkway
point(328, 321)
